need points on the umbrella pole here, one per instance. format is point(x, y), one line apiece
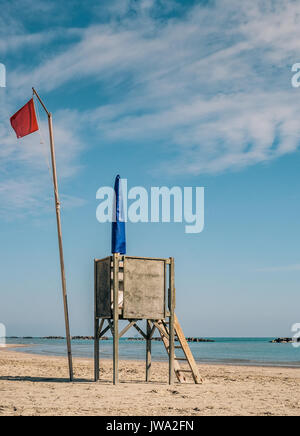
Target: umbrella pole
point(59, 231)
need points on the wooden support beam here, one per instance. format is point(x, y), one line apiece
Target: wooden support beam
point(96, 350)
point(171, 320)
point(100, 327)
point(116, 318)
point(140, 330)
point(148, 351)
point(162, 331)
point(131, 324)
point(104, 331)
point(96, 331)
point(152, 332)
point(111, 326)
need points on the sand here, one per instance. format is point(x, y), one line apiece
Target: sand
point(37, 385)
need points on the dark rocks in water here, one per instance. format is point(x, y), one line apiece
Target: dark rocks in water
point(76, 338)
point(176, 340)
point(88, 338)
point(105, 338)
point(199, 340)
point(284, 340)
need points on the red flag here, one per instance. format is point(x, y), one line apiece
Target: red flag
point(24, 121)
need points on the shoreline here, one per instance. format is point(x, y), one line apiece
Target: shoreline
point(19, 349)
point(9, 346)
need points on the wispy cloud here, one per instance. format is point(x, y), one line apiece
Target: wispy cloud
point(214, 85)
point(284, 268)
point(210, 83)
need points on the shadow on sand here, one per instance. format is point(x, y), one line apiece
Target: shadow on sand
point(43, 379)
point(76, 380)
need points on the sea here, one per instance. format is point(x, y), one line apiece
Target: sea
point(236, 351)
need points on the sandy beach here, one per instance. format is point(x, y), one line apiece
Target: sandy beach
point(38, 385)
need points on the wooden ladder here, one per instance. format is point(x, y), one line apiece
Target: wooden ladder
point(184, 346)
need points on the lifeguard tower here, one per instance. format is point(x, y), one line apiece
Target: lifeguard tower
point(140, 288)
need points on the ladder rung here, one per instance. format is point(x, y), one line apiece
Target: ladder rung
point(164, 330)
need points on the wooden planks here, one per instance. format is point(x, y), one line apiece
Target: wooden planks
point(103, 288)
point(144, 289)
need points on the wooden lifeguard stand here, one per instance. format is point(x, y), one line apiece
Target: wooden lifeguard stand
point(135, 288)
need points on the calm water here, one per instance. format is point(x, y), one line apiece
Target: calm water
point(240, 351)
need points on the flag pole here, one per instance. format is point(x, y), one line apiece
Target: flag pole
point(59, 231)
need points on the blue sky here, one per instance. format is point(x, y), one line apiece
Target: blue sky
point(167, 93)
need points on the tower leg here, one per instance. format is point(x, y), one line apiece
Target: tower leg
point(96, 349)
point(148, 352)
point(172, 320)
point(116, 318)
point(96, 330)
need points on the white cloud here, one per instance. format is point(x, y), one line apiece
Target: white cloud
point(212, 85)
point(206, 84)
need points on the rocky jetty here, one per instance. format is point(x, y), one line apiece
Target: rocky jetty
point(199, 340)
point(160, 339)
point(76, 338)
point(88, 338)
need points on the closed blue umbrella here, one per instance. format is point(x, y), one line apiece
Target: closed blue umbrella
point(118, 240)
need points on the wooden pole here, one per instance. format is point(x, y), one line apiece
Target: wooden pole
point(172, 321)
point(96, 331)
point(116, 317)
point(59, 232)
point(96, 349)
point(148, 351)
